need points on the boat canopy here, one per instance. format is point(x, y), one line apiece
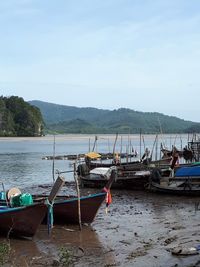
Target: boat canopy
point(101, 171)
point(93, 155)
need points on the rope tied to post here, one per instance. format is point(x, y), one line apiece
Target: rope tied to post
point(49, 215)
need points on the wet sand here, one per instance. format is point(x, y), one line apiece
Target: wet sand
point(139, 230)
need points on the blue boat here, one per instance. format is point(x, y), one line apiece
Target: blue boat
point(191, 171)
point(186, 181)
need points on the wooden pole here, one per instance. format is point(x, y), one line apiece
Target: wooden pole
point(156, 154)
point(78, 196)
point(95, 141)
point(128, 147)
point(153, 147)
point(108, 145)
point(130, 150)
point(121, 150)
point(114, 145)
point(53, 166)
point(140, 144)
point(89, 145)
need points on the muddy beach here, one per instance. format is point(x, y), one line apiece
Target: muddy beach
point(140, 229)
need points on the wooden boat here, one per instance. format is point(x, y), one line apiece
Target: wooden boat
point(135, 180)
point(84, 168)
point(22, 221)
point(65, 209)
point(184, 188)
point(186, 181)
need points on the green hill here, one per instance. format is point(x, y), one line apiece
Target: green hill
point(69, 119)
point(19, 118)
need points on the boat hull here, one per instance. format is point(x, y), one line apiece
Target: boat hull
point(66, 211)
point(22, 221)
point(134, 183)
point(193, 190)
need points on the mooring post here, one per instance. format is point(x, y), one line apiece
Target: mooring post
point(78, 196)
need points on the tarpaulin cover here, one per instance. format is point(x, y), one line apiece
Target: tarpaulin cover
point(93, 155)
point(188, 171)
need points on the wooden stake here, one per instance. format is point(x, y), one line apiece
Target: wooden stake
point(78, 196)
point(114, 145)
point(53, 158)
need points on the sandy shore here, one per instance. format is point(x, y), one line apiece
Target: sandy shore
point(140, 230)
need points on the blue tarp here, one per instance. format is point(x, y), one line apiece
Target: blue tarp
point(188, 171)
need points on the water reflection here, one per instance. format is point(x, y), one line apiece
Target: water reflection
point(84, 247)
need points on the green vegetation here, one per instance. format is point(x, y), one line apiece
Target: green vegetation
point(65, 257)
point(19, 118)
point(68, 119)
point(4, 253)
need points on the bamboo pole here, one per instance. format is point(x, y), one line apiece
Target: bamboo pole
point(128, 147)
point(78, 196)
point(95, 143)
point(53, 165)
point(153, 147)
point(121, 150)
point(140, 144)
point(156, 150)
point(89, 145)
point(115, 145)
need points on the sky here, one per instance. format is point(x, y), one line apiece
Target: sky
point(109, 54)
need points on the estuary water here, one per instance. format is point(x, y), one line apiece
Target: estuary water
point(21, 162)
point(139, 229)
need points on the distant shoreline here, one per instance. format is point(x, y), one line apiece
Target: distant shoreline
point(60, 137)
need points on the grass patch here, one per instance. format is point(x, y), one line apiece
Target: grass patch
point(65, 257)
point(4, 253)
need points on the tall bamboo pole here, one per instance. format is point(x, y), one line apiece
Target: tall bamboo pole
point(53, 165)
point(140, 144)
point(78, 196)
point(115, 144)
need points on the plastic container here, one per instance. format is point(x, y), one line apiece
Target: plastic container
point(21, 200)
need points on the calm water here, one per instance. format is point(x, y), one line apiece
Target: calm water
point(21, 163)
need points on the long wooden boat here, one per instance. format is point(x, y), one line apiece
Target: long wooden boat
point(186, 181)
point(134, 180)
point(84, 168)
point(176, 188)
point(21, 217)
point(21, 221)
point(65, 209)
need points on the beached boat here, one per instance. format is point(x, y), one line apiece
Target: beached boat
point(84, 168)
point(98, 177)
point(186, 181)
point(21, 221)
point(65, 208)
point(176, 188)
point(21, 217)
